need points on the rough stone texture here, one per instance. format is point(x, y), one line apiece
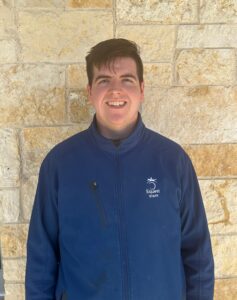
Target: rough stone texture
point(205, 66)
point(14, 270)
point(218, 11)
point(89, 3)
point(80, 109)
point(200, 36)
point(10, 161)
point(157, 42)
point(13, 240)
point(158, 74)
point(224, 250)
point(8, 51)
point(214, 160)
point(32, 94)
point(226, 289)
point(162, 11)
point(7, 25)
point(9, 206)
point(38, 141)
point(14, 291)
point(193, 114)
point(28, 194)
point(221, 206)
point(62, 36)
point(40, 3)
point(76, 76)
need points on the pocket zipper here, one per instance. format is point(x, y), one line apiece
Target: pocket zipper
point(99, 205)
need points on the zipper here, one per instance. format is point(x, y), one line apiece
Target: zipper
point(122, 237)
point(94, 187)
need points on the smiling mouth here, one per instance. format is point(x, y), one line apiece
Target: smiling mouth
point(116, 104)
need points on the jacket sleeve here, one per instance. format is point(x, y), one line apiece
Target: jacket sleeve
point(42, 244)
point(196, 245)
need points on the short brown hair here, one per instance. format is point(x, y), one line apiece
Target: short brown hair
point(107, 51)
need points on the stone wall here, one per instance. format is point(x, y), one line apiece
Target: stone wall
point(189, 48)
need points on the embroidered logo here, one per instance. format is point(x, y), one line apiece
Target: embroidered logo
point(152, 190)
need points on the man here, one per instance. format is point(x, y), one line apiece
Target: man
point(118, 213)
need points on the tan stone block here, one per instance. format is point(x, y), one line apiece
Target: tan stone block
point(14, 270)
point(40, 3)
point(80, 110)
point(13, 240)
point(158, 74)
point(167, 12)
point(225, 289)
point(89, 3)
point(204, 36)
point(209, 66)
point(214, 160)
point(156, 42)
point(8, 51)
point(62, 36)
point(28, 194)
point(224, 251)
point(7, 24)
point(218, 11)
point(192, 115)
point(9, 206)
point(219, 198)
point(14, 291)
point(37, 142)
point(9, 158)
point(34, 93)
point(76, 76)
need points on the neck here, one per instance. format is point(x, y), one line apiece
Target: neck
point(116, 134)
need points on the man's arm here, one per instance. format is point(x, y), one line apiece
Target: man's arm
point(42, 245)
point(196, 245)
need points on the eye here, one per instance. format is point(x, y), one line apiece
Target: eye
point(103, 81)
point(128, 80)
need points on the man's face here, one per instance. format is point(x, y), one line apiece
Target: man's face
point(116, 95)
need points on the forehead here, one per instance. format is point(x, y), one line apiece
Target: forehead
point(117, 66)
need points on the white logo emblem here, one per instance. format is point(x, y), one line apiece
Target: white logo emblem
point(151, 190)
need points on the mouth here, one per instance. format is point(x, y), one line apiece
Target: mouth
point(116, 104)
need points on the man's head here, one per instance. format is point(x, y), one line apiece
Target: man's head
point(106, 52)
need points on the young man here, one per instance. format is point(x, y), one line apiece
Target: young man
point(118, 213)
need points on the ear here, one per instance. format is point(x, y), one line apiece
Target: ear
point(142, 90)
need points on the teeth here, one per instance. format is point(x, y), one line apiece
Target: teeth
point(117, 103)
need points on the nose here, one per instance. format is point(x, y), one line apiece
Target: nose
point(115, 86)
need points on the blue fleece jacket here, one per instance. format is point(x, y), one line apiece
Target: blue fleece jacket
point(118, 223)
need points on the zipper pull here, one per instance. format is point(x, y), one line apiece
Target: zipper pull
point(93, 185)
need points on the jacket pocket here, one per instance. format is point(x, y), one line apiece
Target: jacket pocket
point(99, 204)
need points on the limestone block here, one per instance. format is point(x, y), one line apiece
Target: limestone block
point(28, 194)
point(62, 36)
point(9, 206)
point(9, 158)
point(162, 11)
point(219, 198)
point(156, 42)
point(80, 110)
point(204, 36)
point(32, 94)
point(218, 11)
point(13, 240)
point(14, 291)
point(36, 142)
point(14, 270)
point(89, 4)
point(40, 3)
point(76, 76)
point(226, 289)
point(214, 160)
point(192, 115)
point(205, 66)
point(7, 25)
point(158, 74)
point(224, 251)
point(8, 51)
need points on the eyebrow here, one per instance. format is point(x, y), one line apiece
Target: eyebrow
point(108, 77)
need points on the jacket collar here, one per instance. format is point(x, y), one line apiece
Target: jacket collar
point(126, 144)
